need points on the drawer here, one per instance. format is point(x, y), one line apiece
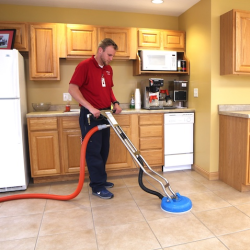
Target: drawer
point(42, 123)
point(151, 119)
point(151, 143)
point(70, 122)
point(123, 120)
point(151, 131)
point(153, 157)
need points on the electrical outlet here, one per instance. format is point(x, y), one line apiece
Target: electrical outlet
point(65, 97)
point(195, 92)
point(69, 97)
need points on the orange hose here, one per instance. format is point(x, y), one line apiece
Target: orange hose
point(60, 197)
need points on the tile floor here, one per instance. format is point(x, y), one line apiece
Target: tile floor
point(133, 219)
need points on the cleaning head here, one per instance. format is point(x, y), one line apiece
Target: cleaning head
point(178, 204)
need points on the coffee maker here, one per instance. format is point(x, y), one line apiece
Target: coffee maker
point(151, 90)
point(178, 91)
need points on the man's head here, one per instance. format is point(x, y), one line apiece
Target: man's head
point(106, 51)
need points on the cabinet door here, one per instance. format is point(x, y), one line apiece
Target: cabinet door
point(44, 153)
point(71, 150)
point(121, 36)
point(81, 40)
point(242, 46)
point(149, 39)
point(174, 40)
point(21, 38)
point(44, 62)
point(119, 157)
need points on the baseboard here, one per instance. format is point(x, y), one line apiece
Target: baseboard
point(212, 176)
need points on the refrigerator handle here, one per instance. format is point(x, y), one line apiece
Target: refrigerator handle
point(18, 124)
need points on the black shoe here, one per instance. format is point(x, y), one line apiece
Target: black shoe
point(108, 184)
point(104, 194)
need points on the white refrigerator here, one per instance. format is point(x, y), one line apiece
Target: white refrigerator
point(14, 174)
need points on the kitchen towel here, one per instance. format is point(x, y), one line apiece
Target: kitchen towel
point(137, 99)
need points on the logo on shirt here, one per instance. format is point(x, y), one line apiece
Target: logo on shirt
point(108, 73)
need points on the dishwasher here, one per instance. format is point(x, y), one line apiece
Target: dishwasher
point(178, 141)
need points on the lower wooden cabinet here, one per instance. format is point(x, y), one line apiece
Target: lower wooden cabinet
point(234, 154)
point(151, 138)
point(55, 147)
point(44, 147)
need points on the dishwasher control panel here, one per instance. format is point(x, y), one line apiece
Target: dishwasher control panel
point(171, 118)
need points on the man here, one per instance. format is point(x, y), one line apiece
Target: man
point(91, 86)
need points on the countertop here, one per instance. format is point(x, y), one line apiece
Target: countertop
point(237, 110)
point(75, 112)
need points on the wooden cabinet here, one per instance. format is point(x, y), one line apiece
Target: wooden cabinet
point(44, 146)
point(119, 157)
point(123, 38)
point(234, 154)
point(151, 138)
point(81, 40)
point(55, 147)
point(21, 39)
point(149, 39)
point(161, 39)
point(43, 56)
point(235, 42)
point(71, 144)
point(173, 40)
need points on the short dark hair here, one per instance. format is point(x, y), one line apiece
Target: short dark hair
point(107, 42)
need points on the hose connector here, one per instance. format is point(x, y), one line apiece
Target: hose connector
point(103, 126)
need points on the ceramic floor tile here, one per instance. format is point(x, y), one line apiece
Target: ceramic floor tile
point(66, 221)
point(66, 188)
point(23, 244)
point(196, 176)
point(81, 201)
point(79, 240)
point(126, 237)
point(237, 241)
point(131, 181)
point(224, 220)
point(206, 201)
point(116, 215)
point(208, 244)
point(153, 210)
point(214, 185)
point(176, 176)
point(244, 208)
point(188, 186)
point(19, 227)
point(233, 196)
point(179, 230)
point(121, 196)
point(22, 207)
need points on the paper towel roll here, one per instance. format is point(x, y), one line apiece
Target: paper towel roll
point(137, 99)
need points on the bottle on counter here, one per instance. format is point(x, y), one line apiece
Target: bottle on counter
point(132, 102)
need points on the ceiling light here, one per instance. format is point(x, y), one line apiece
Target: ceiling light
point(157, 1)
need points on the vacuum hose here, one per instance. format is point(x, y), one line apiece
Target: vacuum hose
point(60, 197)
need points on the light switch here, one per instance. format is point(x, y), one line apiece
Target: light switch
point(195, 92)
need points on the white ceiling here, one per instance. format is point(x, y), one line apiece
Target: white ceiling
point(168, 8)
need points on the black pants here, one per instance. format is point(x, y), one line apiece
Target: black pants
point(97, 149)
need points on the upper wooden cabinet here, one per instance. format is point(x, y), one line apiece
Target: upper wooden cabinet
point(161, 39)
point(43, 56)
point(21, 39)
point(235, 42)
point(123, 38)
point(173, 40)
point(81, 40)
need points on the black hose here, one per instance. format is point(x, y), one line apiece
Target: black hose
point(160, 196)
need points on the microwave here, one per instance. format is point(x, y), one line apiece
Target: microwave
point(158, 60)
